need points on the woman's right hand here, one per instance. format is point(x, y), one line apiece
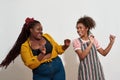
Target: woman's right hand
point(42, 46)
point(91, 37)
point(42, 54)
point(43, 49)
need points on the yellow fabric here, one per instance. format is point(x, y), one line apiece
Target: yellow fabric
point(31, 61)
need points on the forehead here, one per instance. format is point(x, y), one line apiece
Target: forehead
point(38, 25)
point(80, 25)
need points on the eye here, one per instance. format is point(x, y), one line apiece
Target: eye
point(80, 27)
point(41, 29)
point(38, 28)
point(77, 27)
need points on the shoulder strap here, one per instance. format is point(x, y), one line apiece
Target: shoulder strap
point(80, 40)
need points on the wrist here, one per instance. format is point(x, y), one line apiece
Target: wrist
point(64, 47)
point(40, 56)
point(111, 43)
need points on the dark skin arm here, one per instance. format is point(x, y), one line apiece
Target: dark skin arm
point(66, 44)
point(105, 51)
point(42, 56)
point(83, 54)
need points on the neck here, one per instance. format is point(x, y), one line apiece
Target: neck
point(85, 37)
point(33, 39)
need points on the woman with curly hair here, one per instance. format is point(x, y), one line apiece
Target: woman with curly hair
point(86, 47)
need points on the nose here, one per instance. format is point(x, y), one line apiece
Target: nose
point(78, 30)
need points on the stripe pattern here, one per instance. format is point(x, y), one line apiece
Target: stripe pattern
point(90, 68)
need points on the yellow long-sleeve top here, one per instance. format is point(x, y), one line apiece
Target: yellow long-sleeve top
point(30, 60)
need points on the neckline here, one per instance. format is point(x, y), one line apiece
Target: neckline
point(85, 40)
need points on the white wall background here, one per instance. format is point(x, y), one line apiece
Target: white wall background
point(58, 18)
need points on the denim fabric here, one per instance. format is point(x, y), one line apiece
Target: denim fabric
point(50, 71)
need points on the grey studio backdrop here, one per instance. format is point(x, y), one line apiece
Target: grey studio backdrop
point(58, 18)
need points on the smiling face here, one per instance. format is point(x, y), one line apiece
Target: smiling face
point(81, 30)
point(36, 31)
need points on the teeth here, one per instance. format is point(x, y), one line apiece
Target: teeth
point(79, 33)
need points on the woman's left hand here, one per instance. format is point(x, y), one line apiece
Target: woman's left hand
point(112, 38)
point(66, 43)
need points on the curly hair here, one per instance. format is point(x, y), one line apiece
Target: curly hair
point(87, 21)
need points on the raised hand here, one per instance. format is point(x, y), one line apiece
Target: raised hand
point(66, 43)
point(112, 38)
point(91, 37)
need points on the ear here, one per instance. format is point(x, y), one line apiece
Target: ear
point(87, 28)
point(31, 30)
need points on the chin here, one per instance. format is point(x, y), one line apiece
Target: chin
point(81, 36)
point(39, 37)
